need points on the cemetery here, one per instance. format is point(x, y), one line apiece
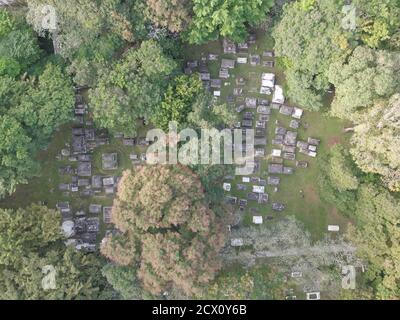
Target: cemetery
point(287, 141)
point(83, 180)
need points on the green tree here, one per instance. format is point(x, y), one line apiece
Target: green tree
point(92, 58)
point(90, 33)
point(24, 230)
point(82, 21)
point(337, 180)
point(178, 100)
point(309, 37)
point(22, 46)
point(225, 18)
point(362, 79)
point(206, 115)
point(378, 22)
point(340, 170)
point(6, 23)
point(123, 280)
point(133, 89)
point(9, 67)
point(47, 105)
point(376, 142)
point(30, 239)
point(378, 239)
point(16, 162)
point(11, 92)
point(19, 47)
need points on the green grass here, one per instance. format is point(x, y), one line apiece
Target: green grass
point(311, 210)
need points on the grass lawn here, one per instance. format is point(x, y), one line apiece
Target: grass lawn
point(308, 208)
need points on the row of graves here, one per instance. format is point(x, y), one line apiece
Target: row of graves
point(285, 145)
point(241, 55)
point(141, 142)
point(82, 227)
point(256, 113)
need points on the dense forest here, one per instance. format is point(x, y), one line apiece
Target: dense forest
point(171, 221)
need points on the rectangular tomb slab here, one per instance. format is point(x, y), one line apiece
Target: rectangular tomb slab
point(109, 161)
point(84, 169)
point(227, 63)
point(94, 208)
point(275, 168)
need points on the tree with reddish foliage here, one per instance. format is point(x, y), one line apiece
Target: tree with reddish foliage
point(172, 14)
point(168, 232)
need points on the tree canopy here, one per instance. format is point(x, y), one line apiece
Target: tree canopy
point(133, 89)
point(363, 78)
point(90, 33)
point(225, 18)
point(19, 47)
point(30, 112)
point(376, 142)
point(165, 237)
point(309, 37)
point(377, 237)
point(178, 100)
point(173, 14)
point(378, 23)
point(30, 240)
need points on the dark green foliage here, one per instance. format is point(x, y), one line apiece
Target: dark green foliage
point(19, 46)
point(133, 89)
point(338, 182)
point(30, 239)
point(30, 113)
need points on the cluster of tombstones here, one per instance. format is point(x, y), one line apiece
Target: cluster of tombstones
point(255, 114)
point(80, 229)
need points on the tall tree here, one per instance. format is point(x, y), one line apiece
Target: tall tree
point(167, 236)
point(309, 37)
point(132, 89)
point(362, 79)
point(340, 170)
point(178, 99)
point(225, 18)
point(90, 33)
point(378, 239)
point(16, 162)
point(82, 21)
point(6, 22)
point(19, 47)
point(338, 179)
point(172, 14)
point(376, 142)
point(47, 104)
point(378, 23)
